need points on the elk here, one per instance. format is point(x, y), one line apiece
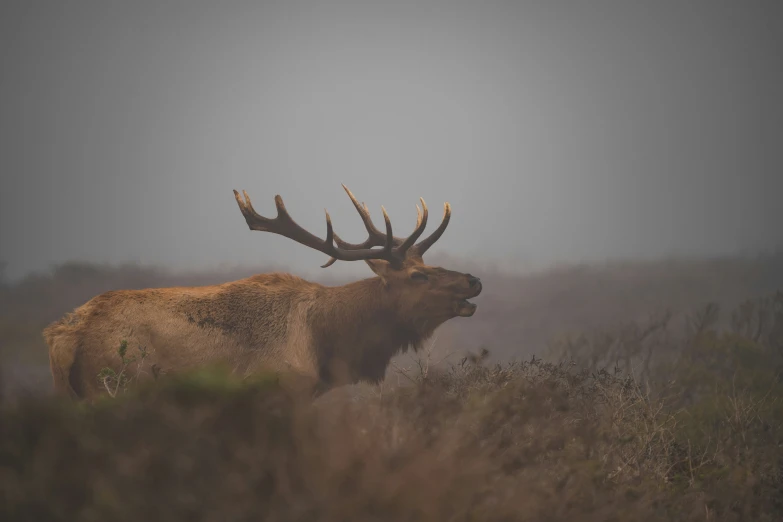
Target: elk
point(332, 336)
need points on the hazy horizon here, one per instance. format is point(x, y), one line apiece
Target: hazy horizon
point(559, 132)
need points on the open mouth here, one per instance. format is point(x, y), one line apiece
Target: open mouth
point(464, 307)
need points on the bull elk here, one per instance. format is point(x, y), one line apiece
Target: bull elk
point(330, 335)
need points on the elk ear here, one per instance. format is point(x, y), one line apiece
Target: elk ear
point(380, 267)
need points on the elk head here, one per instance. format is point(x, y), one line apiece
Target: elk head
point(430, 293)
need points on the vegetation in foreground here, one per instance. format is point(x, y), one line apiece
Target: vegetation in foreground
point(698, 438)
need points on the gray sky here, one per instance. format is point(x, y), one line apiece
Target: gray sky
point(558, 131)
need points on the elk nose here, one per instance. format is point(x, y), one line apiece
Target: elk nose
point(473, 281)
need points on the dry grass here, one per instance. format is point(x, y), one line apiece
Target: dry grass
point(523, 441)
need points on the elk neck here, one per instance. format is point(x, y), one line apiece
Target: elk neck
point(363, 325)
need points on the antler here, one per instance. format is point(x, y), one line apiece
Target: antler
point(403, 245)
point(394, 248)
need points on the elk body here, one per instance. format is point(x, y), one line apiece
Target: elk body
point(330, 335)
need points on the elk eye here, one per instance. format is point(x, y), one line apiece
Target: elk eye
point(419, 276)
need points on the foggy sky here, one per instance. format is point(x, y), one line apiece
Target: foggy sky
point(558, 131)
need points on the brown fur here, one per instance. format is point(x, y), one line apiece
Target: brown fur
point(330, 335)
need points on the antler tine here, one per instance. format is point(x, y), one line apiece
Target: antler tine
point(329, 263)
point(427, 242)
point(421, 224)
point(285, 226)
point(389, 234)
point(375, 236)
point(347, 245)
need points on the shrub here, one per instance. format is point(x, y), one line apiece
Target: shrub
point(529, 440)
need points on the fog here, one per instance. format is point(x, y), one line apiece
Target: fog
point(558, 131)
